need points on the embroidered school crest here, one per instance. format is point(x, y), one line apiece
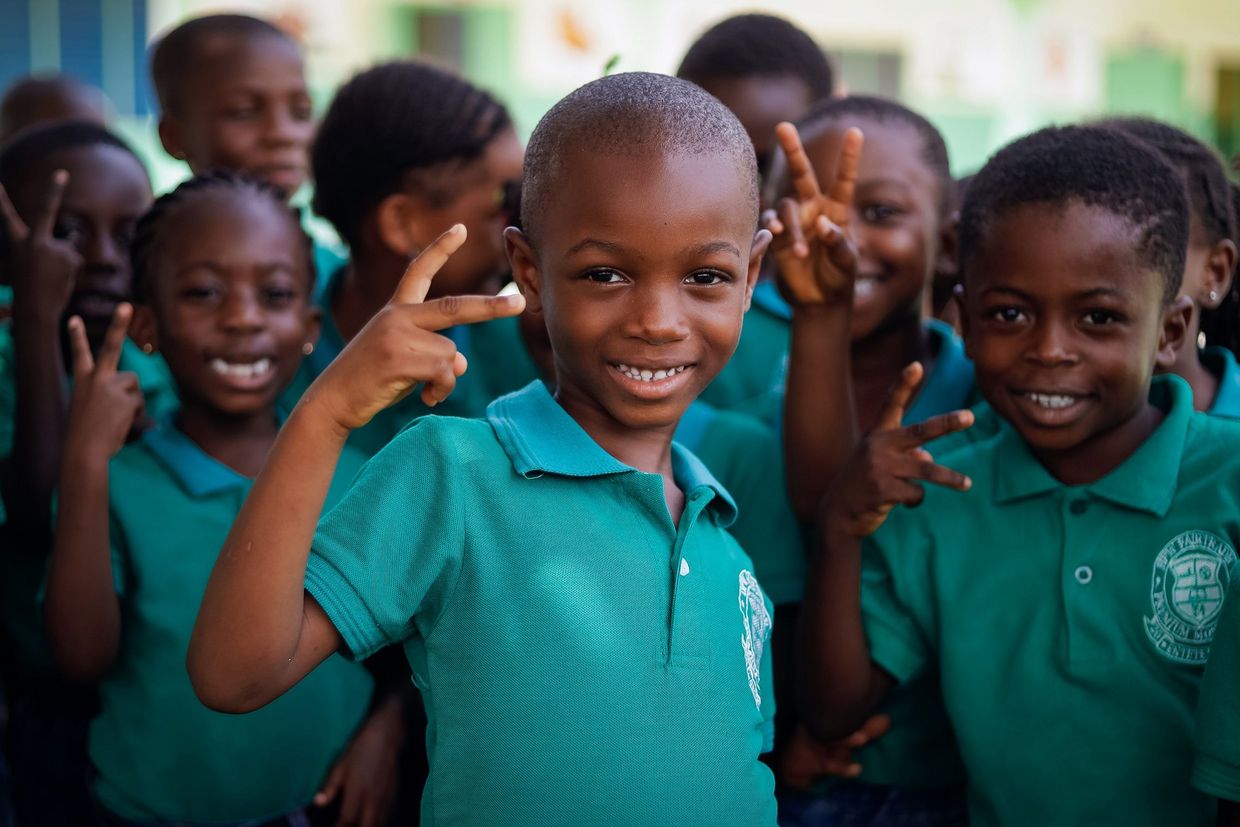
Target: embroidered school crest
point(757, 630)
point(1191, 576)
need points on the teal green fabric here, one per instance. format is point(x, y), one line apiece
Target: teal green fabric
point(1216, 770)
point(327, 260)
point(1220, 362)
point(160, 754)
point(1069, 624)
point(582, 659)
point(745, 457)
point(752, 380)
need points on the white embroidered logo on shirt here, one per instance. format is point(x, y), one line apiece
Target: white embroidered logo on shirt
point(1191, 576)
point(757, 629)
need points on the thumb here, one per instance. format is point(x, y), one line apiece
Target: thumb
point(331, 787)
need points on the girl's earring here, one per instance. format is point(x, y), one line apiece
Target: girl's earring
point(148, 348)
point(1213, 295)
point(307, 348)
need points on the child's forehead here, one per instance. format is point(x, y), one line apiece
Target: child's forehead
point(228, 59)
point(101, 176)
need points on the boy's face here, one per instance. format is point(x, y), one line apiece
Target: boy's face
point(229, 305)
point(896, 220)
point(106, 194)
point(643, 272)
point(245, 109)
point(760, 104)
point(1064, 324)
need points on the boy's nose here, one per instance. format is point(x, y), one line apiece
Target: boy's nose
point(1052, 345)
point(282, 128)
point(101, 252)
point(241, 311)
point(657, 317)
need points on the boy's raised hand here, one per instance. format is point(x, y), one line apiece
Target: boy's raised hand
point(817, 262)
point(889, 464)
point(43, 268)
point(398, 348)
point(105, 401)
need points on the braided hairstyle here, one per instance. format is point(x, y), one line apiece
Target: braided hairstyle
point(758, 45)
point(148, 235)
point(393, 128)
point(1211, 198)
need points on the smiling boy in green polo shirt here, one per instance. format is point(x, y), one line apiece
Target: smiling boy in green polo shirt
point(1065, 579)
point(590, 642)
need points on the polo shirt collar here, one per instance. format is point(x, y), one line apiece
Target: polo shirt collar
point(196, 472)
point(1146, 481)
point(540, 437)
point(1220, 362)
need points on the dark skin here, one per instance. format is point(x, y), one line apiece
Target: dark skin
point(70, 222)
point(1066, 324)
point(43, 100)
point(230, 287)
point(1228, 813)
point(872, 309)
point(244, 107)
point(403, 224)
point(674, 300)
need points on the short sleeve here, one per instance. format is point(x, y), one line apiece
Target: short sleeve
point(895, 580)
point(1216, 770)
point(385, 559)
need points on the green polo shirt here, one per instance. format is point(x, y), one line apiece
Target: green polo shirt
point(1069, 624)
point(582, 658)
point(752, 380)
point(744, 455)
point(160, 754)
point(1222, 363)
point(1216, 770)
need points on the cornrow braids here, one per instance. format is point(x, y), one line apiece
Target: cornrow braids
point(1221, 325)
point(758, 45)
point(145, 246)
point(388, 130)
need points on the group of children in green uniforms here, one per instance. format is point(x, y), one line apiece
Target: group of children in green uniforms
point(708, 458)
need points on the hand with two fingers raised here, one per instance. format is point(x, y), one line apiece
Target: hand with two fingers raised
point(42, 268)
point(817, 261)
point(889, 466)
point(105, 402)
point(399, 347)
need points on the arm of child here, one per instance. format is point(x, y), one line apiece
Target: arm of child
point(817, 269)
point(258, 632)
point(840, 684)
point(43, 270)
point(1228, 813)
point(81, 608)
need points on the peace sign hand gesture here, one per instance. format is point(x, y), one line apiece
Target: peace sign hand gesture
point(105, 401)
point(817, 262)
point(398, 348)
point(43, 268)
point(890, 462)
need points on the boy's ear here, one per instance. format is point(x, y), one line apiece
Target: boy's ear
point(1220, 267)
point(761, 241)
point(400, 221)
point(142, 328)
point(1176, 320)
point(524, 263)
point(170, 137)
point(949, 245)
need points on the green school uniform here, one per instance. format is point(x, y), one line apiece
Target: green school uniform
point(1069, 624)
point(745, 457)
point(1216, 770)
point(160, 754)
point(582, 658)
point(752, 380)
point(1220, 362)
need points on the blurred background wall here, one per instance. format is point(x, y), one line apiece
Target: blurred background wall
point(984, 71)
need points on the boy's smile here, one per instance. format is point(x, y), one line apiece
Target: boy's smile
point(643, 272)
point(1064, 324)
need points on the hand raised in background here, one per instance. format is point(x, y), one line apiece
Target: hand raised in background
point(41, 268)
point(105, 402)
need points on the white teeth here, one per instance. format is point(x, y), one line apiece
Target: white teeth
point(245, 370)
point(647, 375)
point(1051, 400)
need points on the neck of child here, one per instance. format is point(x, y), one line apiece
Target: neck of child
point(878, 360)
point(1102, 453)
point(368, 285)
point(239, 441)
point(646, 449)
point(1188, 366)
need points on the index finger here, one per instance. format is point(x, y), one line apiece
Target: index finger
point(83, 362)
point(110, 350)
point(454, 310)
point(416, 281)
point(841, 192)
point(935, 427)
point(898, 398)
point(51, 205)
point(800, 169)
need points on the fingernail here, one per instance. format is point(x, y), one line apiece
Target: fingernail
point(60, 176)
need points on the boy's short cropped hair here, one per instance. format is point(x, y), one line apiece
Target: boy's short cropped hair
point(21, 157)
point(180, 52)
point(758, 45)
point(1090, 165)
point(388, 122)
point(632, 114)
point(884, 110)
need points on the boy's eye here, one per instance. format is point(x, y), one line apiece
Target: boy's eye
point(707, 277)
point(302, 110)
point(124, 234)
point(1007, 315)
point(1099, 318)
point(200, 292)
point(877, 213)
point(604, 276)
point(279, 295)
point(68, 229)
point(241, 113)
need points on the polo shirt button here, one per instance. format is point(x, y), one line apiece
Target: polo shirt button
point(1079, 507)
point(1084, 574)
